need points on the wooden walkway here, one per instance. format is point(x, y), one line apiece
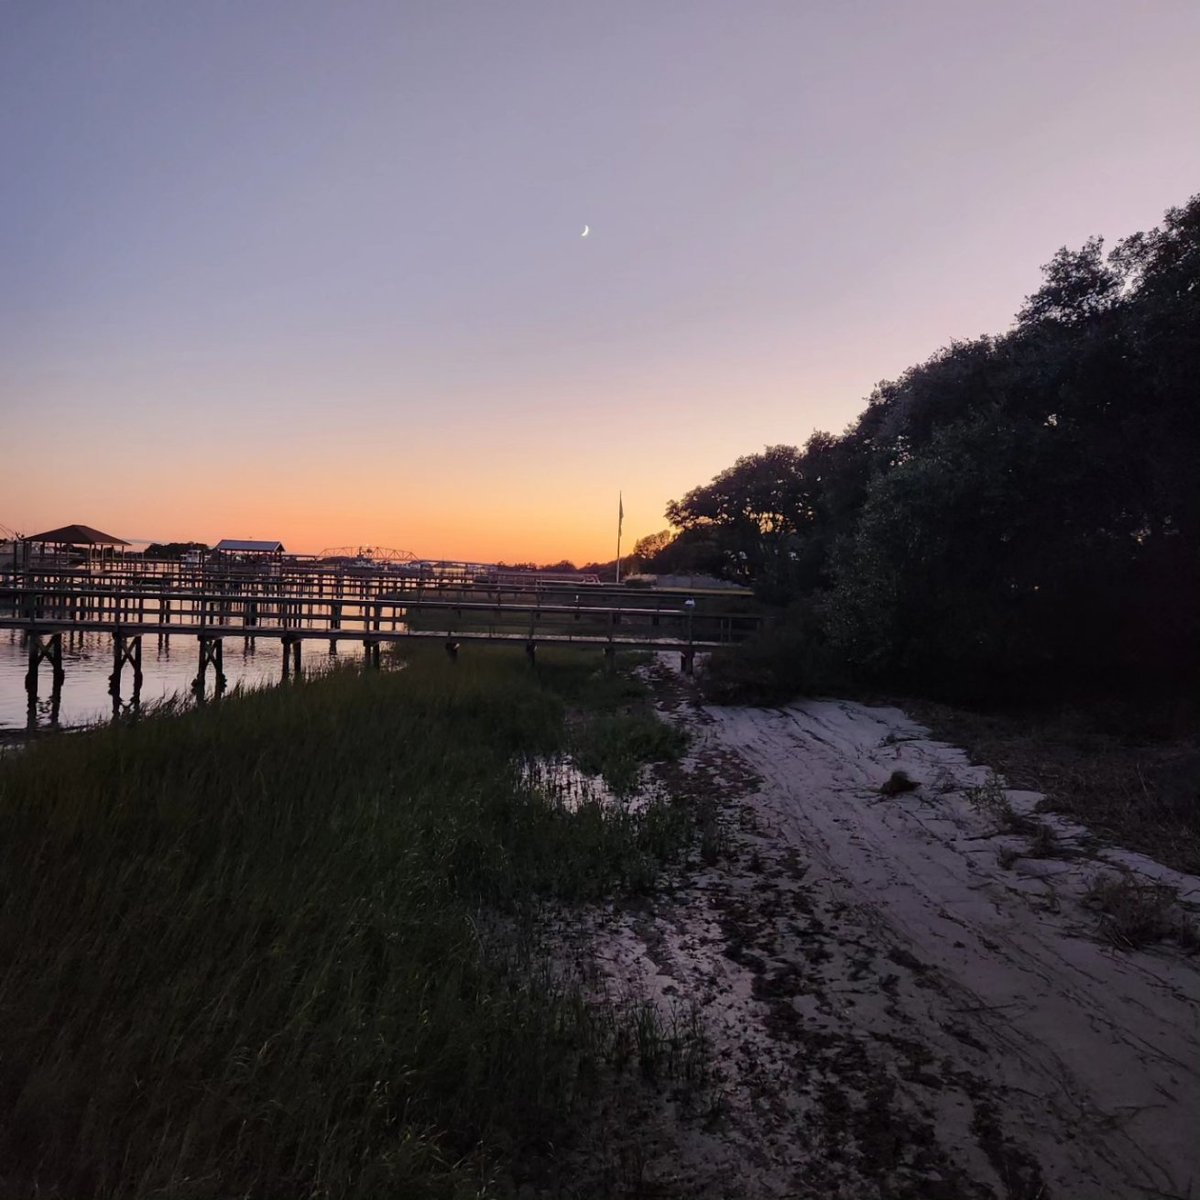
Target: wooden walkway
point(372, 610)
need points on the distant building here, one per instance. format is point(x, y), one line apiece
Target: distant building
point(259, 557)
point(238, 546)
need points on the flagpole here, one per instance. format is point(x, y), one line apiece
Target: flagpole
point(620, 521)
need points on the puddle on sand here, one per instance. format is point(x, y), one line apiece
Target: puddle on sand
point(561, 780)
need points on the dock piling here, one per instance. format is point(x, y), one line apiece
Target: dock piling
point(126, 649)
point(211, 651)
point(44, 648)
point(291, 657)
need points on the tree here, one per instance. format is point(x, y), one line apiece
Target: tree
point(1079, 286)
point(646, 549)
point(1017, 505)
point(755, 509)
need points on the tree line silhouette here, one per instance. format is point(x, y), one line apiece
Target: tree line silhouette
point(1017, 510)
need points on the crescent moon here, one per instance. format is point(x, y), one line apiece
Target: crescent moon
point(585, 231)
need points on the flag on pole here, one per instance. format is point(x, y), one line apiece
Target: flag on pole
point(620, 522)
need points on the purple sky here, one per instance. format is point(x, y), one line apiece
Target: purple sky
point(313, 270)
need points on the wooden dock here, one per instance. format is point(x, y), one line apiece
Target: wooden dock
point(370, 608)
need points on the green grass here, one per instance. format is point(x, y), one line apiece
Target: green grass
point(281, 945)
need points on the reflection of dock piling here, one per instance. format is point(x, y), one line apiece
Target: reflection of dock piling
point(127, 651)
point(211, 653)
point(291, 656)
point(44, 647)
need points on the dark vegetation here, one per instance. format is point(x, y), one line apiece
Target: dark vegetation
point(1019, 515)
point(287, 945)
point(565, 566)
point(1127, 767)
point(1133, 913)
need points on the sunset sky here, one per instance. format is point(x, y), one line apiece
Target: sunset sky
point(278, 268)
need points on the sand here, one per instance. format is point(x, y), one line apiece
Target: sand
point(901, 1000)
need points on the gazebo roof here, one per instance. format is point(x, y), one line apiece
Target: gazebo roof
point(77, 535)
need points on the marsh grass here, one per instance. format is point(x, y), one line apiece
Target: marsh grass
point(1129, 770)
point(1133, 913)
point(615, 745)
point(991, 799)
point(279, 945)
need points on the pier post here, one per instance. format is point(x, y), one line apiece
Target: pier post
point(210, 652)
point(291, 657)
point(452, 651)
point(531, 653)
point(47, 648)
point(687, 660)
point(610, 659)
point(114, 680)
point(134, 656)
point(56, 660)
point(371, 654)
point(125, 650)
point(250, 621)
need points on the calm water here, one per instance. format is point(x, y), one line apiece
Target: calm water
point(87, 660)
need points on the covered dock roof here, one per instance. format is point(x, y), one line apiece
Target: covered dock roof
point(76, 535)
point(240, 546)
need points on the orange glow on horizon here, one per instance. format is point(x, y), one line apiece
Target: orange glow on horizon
point(512, 531)
point(310, 280)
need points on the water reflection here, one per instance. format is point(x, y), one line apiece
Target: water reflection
point(86, 691)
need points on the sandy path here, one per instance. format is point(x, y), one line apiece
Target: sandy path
point(900, 1008)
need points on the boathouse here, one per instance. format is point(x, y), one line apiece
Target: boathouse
point(249, 550)
point(71, 545)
